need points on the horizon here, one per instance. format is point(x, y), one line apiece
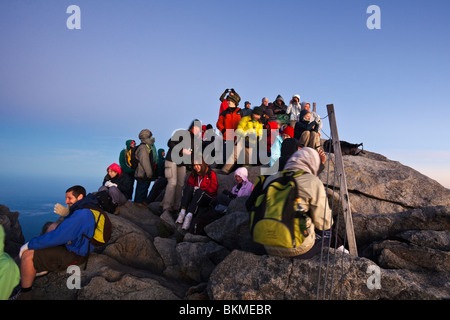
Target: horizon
point(70, 98)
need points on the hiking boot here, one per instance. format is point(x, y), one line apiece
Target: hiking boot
point(187, 221)
point(181, 215)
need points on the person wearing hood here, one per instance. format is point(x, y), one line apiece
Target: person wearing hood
point(278, 106)
point(117, 185)
point(314, 116)
point(312, 197)
point(306, 132)
point(63, 246)
point(125, 164)
point(9, 271)
point(294, 110)
point(146, 169)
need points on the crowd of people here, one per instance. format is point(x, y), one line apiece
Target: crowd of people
point(284, 135)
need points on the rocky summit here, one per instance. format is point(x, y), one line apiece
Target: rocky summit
point(401, 221)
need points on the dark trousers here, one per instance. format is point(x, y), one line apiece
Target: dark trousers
point(141, 190)
point(193, 199)
point(158, 187)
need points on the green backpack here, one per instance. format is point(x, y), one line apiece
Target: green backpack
point(277, 219)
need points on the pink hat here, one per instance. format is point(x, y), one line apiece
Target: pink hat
point(115, 167)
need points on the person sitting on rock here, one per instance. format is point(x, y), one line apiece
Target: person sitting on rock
point(200, 190)
point(306, 132)
point(117, 185)
point(65, 245)
point(243, 187)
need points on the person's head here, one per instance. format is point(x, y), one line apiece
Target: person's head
point(195, 127)
point(130, 144)
point(247, 104)
point(200, 169)
point(241, 175)
point(306, 106)
point(114, 170)
point(296, 99)
point(265, 101)
point(288, 132)
point(232, 101)
point(257, 113)
point(74, 194)
point(305, 115)
point(279, 101)
point(306, 159)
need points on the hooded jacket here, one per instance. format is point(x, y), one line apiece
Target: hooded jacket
point(294, 109)
point(275, 106)
point(122, 158)
point(144, 151)
point(246, 188)
point(9, 271)
point(310, 188)
point(303, 125)
point(79, 221)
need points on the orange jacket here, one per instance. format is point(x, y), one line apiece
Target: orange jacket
point(229, 119)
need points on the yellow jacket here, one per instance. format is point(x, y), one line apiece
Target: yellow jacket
point(248, 127)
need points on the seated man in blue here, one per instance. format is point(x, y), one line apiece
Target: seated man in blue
point(63, 246)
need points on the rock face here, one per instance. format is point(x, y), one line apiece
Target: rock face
point(401, 221)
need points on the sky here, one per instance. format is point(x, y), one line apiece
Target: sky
point(70, 98)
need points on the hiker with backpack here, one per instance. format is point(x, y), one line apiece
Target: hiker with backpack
point(126, 165)
point(289, 211)
point(117, 185)
point(67, 244)
point(146, 157)
point(199, 191)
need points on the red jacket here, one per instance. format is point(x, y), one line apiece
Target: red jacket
point(208, 182)
point(228, 119)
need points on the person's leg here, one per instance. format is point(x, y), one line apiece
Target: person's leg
point(170, 172)
point(188, 193)
point(181, 177)
point(141, 190)
point(118, 198)
point(304, 139)
point(27, 270)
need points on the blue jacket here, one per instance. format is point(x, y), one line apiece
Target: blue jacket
point(70, 232)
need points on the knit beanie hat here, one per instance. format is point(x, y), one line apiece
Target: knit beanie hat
point(258, 111)
point(289, 131)
point(145, 134)
point(234, 99)
point(115, 167)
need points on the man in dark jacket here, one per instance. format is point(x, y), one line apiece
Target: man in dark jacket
point(306, 132)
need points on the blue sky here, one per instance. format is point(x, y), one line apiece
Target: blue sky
point(69, 99)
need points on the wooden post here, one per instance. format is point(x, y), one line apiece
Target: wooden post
point(343, 192)
point(314, 107)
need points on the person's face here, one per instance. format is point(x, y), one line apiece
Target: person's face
point(256, 117)
point(132, 144)
point(285, 136)
point(238, 179)
point(71, 199)
point(197, 168)
point(247, 105)
point(266, 102)
point(231, 104)
point(195, 130)
point(112, 173)
point(295, 99)
point(307, 116)
point(279, 102)
point(308, 107)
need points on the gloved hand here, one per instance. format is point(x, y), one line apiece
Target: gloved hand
point(61, 210)
point(22, 249)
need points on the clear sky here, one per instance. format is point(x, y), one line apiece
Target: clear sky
point(69, 99)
